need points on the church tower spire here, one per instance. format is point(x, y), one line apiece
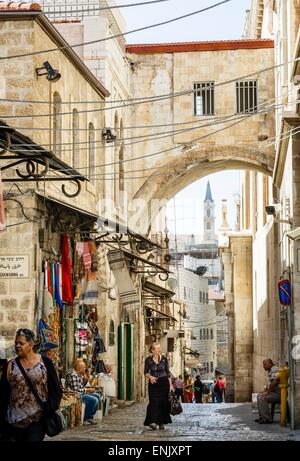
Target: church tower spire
point(209, 216)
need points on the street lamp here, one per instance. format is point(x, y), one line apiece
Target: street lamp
point(52, 75)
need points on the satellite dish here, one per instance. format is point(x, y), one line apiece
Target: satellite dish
point(172, 283)
point(201, 270)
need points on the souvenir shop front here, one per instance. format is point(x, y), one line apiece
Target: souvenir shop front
point(68, 289)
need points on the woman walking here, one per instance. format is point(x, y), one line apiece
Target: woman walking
point(198, 386)
point(157, 371)
point(188, 387)
point(21, 416)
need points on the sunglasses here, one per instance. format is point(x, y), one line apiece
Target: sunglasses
point(25, 332)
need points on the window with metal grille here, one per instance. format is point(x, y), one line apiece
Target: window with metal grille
point(204, 98)
point(246, 96)
point(211, 333)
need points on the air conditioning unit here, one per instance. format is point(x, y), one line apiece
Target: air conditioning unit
point(181, 334)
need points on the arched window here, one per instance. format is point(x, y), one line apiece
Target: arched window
point(111, 333)
point(92, 153)
point(75, 139)
point(211, 333)
point(208, 213)
point(57, 124)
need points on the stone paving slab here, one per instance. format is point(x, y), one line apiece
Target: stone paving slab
point(198, 422)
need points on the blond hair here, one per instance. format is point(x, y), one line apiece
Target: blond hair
point(153, 345)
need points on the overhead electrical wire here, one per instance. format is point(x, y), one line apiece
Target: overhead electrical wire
point(102, 8)
point(143, 100)
point(64, 170)
point(240, 117)
point(140, 29)
point(146, 99)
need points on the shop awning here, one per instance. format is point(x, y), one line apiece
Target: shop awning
point(162, 315)
point(17, 149)
point(92, 216)
point(157, 290)
point(127, 291)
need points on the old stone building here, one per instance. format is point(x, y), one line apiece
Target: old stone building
point(211, 107)
point(69, 128)
point(275, 326)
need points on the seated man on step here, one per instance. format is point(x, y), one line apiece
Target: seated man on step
point(271, 394)
point(76, 381)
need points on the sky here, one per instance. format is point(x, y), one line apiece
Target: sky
point(222, 23)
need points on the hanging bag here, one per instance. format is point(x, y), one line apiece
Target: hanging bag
point(53, 422)
point(175, 405)
point(48, 337)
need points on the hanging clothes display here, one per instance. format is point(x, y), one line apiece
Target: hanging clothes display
point(67, 292)
point(57, 271)
point(47, 299)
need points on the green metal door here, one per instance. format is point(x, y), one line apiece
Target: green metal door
point(129, 362)
point(121, 361)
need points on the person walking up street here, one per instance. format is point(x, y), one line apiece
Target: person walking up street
point(188, 389)
point(156, 369)
point(198, 387)
point(179, 388)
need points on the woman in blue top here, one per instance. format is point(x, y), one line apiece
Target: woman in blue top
point(157, 371)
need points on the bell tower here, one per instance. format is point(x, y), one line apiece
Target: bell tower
point(209, 216)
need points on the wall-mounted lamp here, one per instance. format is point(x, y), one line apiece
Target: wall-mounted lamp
point(109, 135)
point(51, 74)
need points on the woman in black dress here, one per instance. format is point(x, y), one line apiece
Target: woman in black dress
point(157, 371)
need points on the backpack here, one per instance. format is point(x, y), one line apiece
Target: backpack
point(216, 388)
point(205, 389)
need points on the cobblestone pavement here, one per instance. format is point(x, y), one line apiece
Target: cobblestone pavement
point(202, 422)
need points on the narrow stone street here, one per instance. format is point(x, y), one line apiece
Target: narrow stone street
point(207, 422)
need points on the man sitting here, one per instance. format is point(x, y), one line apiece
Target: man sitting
point(270, 395)
point(76, 380)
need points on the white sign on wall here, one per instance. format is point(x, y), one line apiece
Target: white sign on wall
point(14, 266)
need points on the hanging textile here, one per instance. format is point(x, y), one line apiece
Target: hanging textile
point(2, 209)
point(67, 293)
point(87, 259)
point(56, 281)
point(94, 255)
point(91, 294)
point(49, 282)
point(47, 336)
point(128, 293)
point(47, 299)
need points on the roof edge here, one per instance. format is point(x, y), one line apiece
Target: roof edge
point(42, 20)
point(219, 45)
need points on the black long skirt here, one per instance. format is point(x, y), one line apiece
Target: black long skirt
point(158, 410)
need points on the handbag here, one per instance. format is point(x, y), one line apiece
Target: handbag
point(48, 338)
point(175, 405)
point(53, 422)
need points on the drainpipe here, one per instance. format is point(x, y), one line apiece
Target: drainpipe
point(290, 319)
